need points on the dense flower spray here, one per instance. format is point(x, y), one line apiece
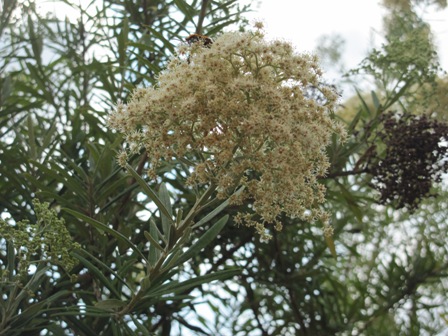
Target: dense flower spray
point(242, 112)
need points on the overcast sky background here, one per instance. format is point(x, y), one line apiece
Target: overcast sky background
point(359, 22)
point(302, 22)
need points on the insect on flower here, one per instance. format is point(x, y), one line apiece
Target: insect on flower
point(194, 38)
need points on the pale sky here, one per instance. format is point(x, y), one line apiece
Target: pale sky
point(302, 22)
point(359, 22)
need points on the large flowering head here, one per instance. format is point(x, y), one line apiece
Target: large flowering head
point(244, 112)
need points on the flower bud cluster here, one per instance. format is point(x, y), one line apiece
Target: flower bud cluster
point(46, 241)
point(242, 113)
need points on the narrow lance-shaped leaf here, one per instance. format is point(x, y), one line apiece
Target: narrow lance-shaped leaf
point(176, 252)
point(61, 175)
point(147, 189)
point(154, 248)
point(110, 305)
point(355, 120)
point(140, 327)
point(167, 222)
point(330, 243)
point(122, 42)
point(32, 138)
point(22, 320)
point(166, 43)
point(364, 104)
point(171, 287)
point(216, 211)
point(33, 284)
point(185, 8)
point(103, 227)
point(203, 241)
point(376, 101)
point(98, 272)
point(36, 41)
point(219, 28)
point(5, 89)
point(350, 201)
point(11, 257)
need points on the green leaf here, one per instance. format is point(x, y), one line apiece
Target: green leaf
point(140, 327)
point(216, 211)
point(110, 305)
point(185, 8)
point(179, 216)
point(41, 84)
point(152, 241)
point(102, 227)
point(35, 282)
point(172, 259)
point(83, 176)
point(31, 138)
point(61, 174)
point(122, 42)
point(351, 202)
point(203, 241)
point(95, 270)
point(167, 44)
point(218, 28)
point(6, 88)
point(36, 41)
point(330, 243)
point(119, 196)
point(24, 319)
point(376, 101)
point(154, 248)
point(145, 62)
point(79, 325)
point(48, 138)
point(355, 121)
point(176, 287)
point(11, 258)
point(150, 193)
point(363, 102)
point(167, 222)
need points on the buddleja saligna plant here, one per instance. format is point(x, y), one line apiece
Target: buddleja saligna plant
point(248, 120)
point(238, 116)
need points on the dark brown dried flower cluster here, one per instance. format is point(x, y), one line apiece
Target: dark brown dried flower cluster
point(415, 157)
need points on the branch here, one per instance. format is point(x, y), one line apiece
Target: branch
point(346, 173)
point(202, 16)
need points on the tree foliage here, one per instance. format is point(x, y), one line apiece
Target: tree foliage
point(88, 248)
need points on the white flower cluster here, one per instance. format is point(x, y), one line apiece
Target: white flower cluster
point(243, 112)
